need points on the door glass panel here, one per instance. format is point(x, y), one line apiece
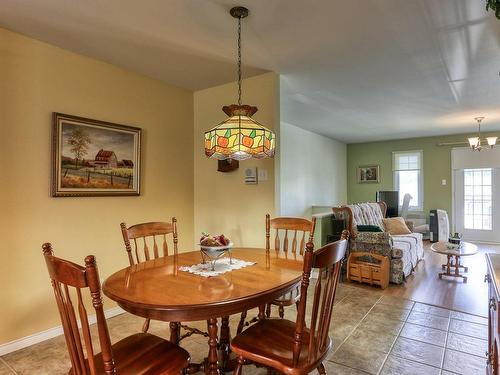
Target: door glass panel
point(487, 177)
point(477, 199)
point(468, 175)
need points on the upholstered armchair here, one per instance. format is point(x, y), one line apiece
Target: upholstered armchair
point(403, 251)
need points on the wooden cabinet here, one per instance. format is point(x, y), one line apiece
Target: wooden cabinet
point(493, 279)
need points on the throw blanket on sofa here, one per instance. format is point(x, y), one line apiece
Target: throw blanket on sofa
point(414, 245)
point(366, 214)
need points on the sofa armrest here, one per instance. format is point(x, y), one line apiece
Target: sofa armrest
point(396, 253)
point(374, 237)
point(373, 242)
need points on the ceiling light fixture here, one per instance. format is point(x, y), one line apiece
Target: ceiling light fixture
point(495, 6)
point(475, 142)
point(239, 137)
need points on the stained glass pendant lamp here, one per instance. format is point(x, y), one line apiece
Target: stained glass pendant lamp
point(239, 137)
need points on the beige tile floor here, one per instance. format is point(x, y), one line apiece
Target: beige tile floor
point(373, 334)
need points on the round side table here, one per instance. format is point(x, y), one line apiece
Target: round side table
point(453, 258)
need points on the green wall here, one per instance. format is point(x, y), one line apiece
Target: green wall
point(436, 164)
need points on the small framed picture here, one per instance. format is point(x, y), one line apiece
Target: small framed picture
point(94, 158)
point(368, 173)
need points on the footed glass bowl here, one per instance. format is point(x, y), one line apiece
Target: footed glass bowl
point(212, 253)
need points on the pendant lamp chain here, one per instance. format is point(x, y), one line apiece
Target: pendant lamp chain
point(239, 136)
point(239, 60)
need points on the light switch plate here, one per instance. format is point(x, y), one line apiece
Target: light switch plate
point(262, 174)
point(443, 182)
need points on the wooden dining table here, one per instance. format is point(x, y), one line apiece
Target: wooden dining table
point(157, 289)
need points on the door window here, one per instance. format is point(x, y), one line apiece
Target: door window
point(477, 199)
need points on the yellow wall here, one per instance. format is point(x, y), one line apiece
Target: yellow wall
point(35, 80)
point(222, 201)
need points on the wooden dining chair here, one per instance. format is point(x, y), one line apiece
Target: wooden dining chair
point(140, 353)
point(294, 233)
point(150, 242)
point(290, 347)
point(144, 237)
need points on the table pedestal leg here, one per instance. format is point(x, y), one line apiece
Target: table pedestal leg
point(453, 261)
point(175, 330)
point(457, 265)
point(241, 324)
point(212, 368)
point(225, 339)
point(262, 312)
point(446, 267)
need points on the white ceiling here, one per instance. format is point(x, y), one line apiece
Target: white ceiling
point(354, 70)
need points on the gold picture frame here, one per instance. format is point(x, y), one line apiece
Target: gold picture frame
point(94, 158)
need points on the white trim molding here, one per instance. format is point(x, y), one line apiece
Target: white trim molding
point(35, 338)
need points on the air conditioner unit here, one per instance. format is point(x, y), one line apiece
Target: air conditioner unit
point(439, 226)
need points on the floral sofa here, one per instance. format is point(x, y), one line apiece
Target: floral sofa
point(404, 251)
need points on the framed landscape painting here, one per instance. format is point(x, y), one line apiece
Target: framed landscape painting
point(369, 173)
point(94, 158)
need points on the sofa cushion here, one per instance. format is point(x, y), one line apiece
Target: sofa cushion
point(395, 226)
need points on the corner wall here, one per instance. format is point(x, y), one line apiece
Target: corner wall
point(312, 171)
point(222, 201)
point(36, 80)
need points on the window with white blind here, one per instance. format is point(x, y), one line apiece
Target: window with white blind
point(408, 175)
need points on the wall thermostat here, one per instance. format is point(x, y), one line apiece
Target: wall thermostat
point(251, 176)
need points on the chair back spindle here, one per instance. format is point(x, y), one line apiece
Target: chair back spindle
point(146, 236)
point(288, 231)
point(328, 261)
point(66, 276)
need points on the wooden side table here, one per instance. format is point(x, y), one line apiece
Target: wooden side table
point(374, 272)
point(453, 258)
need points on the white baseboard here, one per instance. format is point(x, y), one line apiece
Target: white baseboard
point(35, 338)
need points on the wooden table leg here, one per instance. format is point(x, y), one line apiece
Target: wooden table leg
point(212, 368)
point(175, 330)
point(446, 267)
point(453, 261)
point(262, 312)
point(225, 339)
point(241, 324)
point(457, 268)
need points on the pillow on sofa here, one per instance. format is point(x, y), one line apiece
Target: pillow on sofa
point(369, 228)
point(395, 226)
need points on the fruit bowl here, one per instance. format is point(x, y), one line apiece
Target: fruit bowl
point(216, 249)
point(212, 253)
point(213, 248)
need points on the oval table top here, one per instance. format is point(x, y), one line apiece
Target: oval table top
point(156, 289)
point(466, 248)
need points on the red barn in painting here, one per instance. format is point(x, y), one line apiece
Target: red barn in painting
point(105, 159)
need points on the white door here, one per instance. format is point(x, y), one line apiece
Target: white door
point(477, 203)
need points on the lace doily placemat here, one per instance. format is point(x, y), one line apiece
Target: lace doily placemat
point(222, 265)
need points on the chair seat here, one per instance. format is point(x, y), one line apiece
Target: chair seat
point(270, 342)
point(288, 299)
point(144, 353)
